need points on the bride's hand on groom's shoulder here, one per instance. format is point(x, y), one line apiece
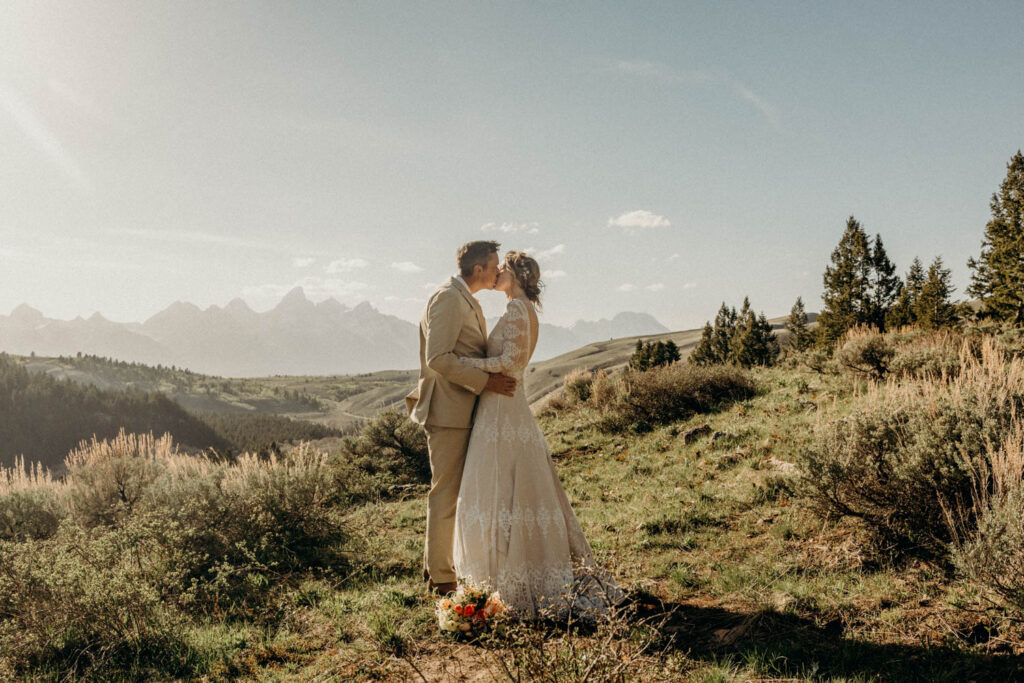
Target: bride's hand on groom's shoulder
point(501, 384)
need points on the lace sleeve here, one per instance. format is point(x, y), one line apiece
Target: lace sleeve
point(515, 344)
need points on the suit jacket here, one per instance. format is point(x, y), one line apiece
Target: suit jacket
point(452, 326)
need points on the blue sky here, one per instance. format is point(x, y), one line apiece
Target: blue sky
point(657, 157)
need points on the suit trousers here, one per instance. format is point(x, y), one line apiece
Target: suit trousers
point(447, 448)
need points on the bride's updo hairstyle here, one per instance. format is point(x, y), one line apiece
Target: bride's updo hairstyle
point(527, 273)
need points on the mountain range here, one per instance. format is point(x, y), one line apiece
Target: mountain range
point(296, 337)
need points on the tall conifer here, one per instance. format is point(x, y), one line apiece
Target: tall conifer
point(933, 307)
point(800, 337)
point(846, 282)
point(902, 313)
point(884, 285)
point(998, 277)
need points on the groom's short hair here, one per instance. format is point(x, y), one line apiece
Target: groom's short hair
point(475, 254)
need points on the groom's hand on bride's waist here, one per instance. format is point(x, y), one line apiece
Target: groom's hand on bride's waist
point(501, 384)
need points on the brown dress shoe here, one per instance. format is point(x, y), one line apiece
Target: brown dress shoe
point(442, 588)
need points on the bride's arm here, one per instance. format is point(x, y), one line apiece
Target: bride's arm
point(516, 343)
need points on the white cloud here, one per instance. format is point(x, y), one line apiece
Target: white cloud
point(404, 299)
point(431, 285)
point(302, 261)
point(627, 287)
point(672, 258)
point(689, 285)
point(553, 275)
point(546, 254)
point(345, 265)
point(641, 218)
point(656, 287)
point(406, 267)
point(511, 228)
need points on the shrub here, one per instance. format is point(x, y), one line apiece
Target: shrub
point(107, 478)
point(604, 390)
point(393, 444)
point(80, 603)
point(988, 527)
point(29, 513)
point(669, 394)
point(912, 449)
point(578, 385)
point(866, 352)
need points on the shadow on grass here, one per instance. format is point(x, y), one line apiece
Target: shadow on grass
point(789, 646)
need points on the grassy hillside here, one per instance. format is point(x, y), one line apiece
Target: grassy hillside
point(42, 417)
point(341, 402)
point(545, 377)
point(713, 518)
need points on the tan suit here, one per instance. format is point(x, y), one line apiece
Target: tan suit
point(443, 401)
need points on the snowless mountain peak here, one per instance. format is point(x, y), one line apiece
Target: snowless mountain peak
point(26, 313)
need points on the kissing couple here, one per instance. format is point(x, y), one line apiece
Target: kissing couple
point(497, 514)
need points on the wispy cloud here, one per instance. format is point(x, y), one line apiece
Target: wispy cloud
point(673, 257)
point(689, 285)
point(554, 275)
point(656, 287)
point(511, 228)
point(546, 254)
point(641, 218)
point(769, 111)
point(43, 138)
point(665, 74)
point(406, 267)
point(345, 265)
point(627, 287)
point(302, 261)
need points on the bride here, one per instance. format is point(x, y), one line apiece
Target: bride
point(514, 528)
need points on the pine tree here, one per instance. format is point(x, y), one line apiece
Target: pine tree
point(847, 282)
point(800, 337)
point(998, 277)
point(725, 328)
point(902, 313)
point(884, 285)
point(754, 342)
point(704, 353)
point(933, 307)
point(641, 359)
point(672, 354)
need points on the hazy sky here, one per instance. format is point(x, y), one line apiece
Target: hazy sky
point(657, 157)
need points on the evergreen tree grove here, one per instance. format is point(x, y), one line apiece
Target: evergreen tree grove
point(861, 285)
point(746, 339)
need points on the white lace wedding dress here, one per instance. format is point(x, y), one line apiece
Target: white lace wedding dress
point(514, 528)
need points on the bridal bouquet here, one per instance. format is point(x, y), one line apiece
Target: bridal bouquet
point(471, 610)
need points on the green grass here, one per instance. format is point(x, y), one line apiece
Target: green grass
point(737, 578)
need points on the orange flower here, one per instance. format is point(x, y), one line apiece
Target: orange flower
point(468, 610)
point(446, 604)
point(458, 609)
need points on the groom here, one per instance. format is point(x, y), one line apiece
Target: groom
point(444, 399)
